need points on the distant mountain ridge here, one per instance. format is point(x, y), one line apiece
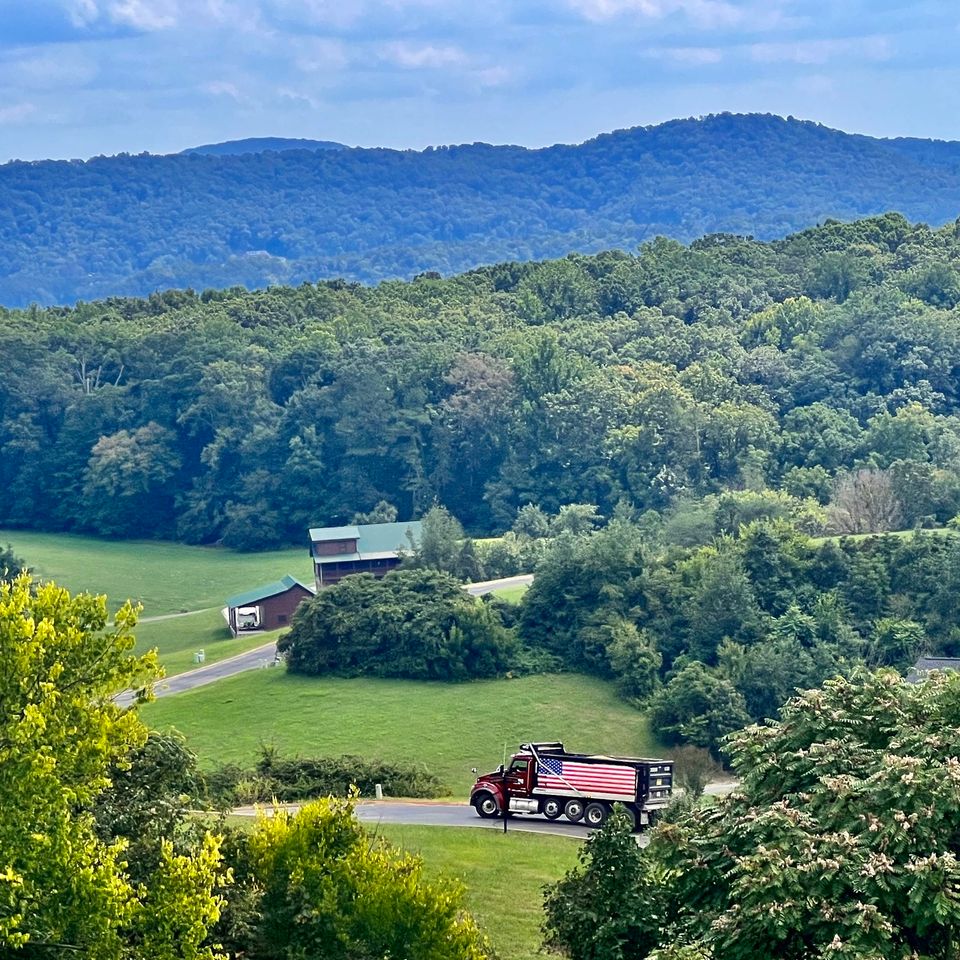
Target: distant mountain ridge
point(134, 224)
point(261, 144)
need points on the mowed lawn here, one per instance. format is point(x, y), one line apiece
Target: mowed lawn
point(504, 876)
point(164, 577)
point(179, 638)
point(448, 727)
point(512, 594)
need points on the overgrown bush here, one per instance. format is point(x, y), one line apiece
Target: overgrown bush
point(290, 779)
point(416, 624)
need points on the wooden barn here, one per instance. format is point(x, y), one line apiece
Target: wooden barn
point(375, 548)
point(269, 607)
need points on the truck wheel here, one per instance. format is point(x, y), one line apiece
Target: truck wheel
point(486, 806)
point(551, 808)
point(595, 814)
point(574, 810)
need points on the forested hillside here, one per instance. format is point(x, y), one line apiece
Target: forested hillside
point(261, 144)
point(817, 370)
point(134, 224)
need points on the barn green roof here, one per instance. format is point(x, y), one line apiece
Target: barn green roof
point(372, 538)
point(267, 590)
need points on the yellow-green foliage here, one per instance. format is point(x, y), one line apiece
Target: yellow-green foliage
point(59, 734)
point(330, 890)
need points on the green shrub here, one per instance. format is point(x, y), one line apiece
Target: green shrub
point(415, 624)
point(290, 779)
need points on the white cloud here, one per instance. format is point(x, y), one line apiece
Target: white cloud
point(53, 69)
point(493, 76)
point(320, 54)
point(146, 15)
point(82, 12)
point(224, 88)
point(421, 56)
point(695, 56)
point(298, 96)
point(16, 112)
point(706, 13)
point(822, 51)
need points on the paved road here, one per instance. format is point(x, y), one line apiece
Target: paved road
point(447, 815)
point(488, 586)
point(251, 660)
point(173, 616)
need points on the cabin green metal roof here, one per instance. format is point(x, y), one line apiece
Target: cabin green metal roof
point(268, 590)
point(372, 538)
point(334, 533)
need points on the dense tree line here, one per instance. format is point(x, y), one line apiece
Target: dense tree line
point(710, 638)
point(134, 224)
point(824, 363)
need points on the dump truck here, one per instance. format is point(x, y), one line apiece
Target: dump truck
point(545, 779)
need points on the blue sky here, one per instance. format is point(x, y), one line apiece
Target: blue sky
point(85, 77)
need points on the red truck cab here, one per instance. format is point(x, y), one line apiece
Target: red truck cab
point(545, 779)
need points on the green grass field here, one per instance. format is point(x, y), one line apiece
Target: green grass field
point(504, 876)
point(164, 577)
point(179, 638)
point(512, 594)
point(449, 727)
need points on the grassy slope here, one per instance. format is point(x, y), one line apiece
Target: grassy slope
point(504, 875)
point(178, 638)
point(512, 594)
point(164, 577)
point(167, 578)
point(449, 727)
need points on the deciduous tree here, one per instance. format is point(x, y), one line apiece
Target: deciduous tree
point(63, 888)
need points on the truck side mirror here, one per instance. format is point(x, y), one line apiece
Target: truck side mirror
point(500, 768)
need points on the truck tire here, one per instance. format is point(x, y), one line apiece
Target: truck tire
point(486, 806)
point(573, 810)
point(595, 814)
point(551, 808)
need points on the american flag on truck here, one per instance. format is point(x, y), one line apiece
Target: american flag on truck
point(611, 779)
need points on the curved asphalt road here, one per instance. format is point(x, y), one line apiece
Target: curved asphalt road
point(255, 659)
point(430, 814)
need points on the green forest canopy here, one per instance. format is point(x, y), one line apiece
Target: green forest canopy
point(649, 380)
point(135, 224)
